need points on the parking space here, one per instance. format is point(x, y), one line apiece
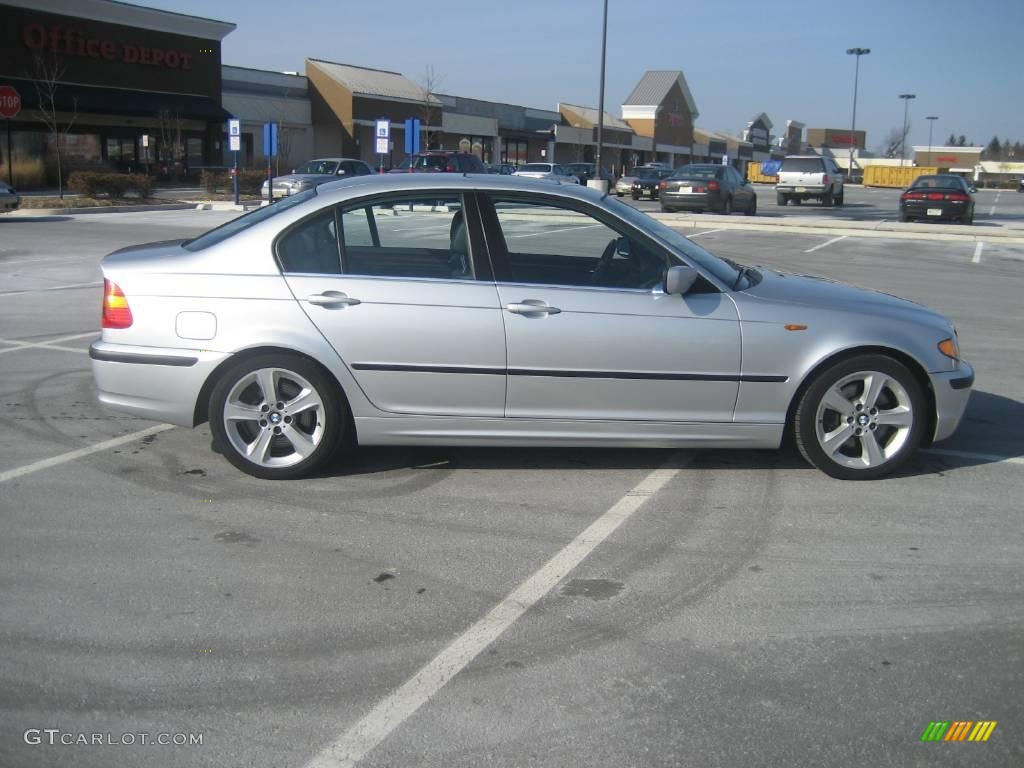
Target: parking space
point(722, 608)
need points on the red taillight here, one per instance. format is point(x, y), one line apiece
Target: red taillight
point(935, 196)
point(116, 312)
point(824, 179)
point(958, 197)
point(913, 195)
point(712, 186)
point(698, 190)
point(663, 185)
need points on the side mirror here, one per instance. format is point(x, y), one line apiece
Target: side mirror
point(622, 247)
point(679, 280)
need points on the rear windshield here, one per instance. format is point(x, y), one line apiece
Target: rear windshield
point(233, 227)
point(536, 167)
point(802, 164)
point(430, 161)
point(937, 182)
point(323, 167)
point(697, 172)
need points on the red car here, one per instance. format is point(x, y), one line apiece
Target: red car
point(442, 161)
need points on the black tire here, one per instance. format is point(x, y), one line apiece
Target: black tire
point(636, 196)
point(319, 428)
point(969, 218)
point(727, 206)
point(667, 209)
point(904, 217)
point(752, 206)
point(780, 199)
point(618, 194)
point(841, 383)
point(840, 198)
point(826, 199)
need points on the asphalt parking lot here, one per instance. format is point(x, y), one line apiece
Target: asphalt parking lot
point(747, 610)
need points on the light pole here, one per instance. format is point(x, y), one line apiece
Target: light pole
point(931, 124)
point(600, 105)
point(903, 141)
point(858, 52)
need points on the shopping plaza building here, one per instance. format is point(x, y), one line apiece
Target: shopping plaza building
point(140, 89)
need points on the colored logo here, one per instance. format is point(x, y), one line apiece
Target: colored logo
point(958, 730)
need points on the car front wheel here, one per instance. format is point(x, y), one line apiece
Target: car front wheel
point(277, 417)
point(860, 419)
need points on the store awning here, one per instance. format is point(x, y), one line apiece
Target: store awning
point(88, 99)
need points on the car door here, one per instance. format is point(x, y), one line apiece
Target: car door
point(589, 332)
point(398, 285)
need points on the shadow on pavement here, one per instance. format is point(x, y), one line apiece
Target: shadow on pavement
point(22, 219)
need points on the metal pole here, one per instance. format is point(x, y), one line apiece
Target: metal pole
point(600, 98)
point(931, 124)
point(235, 178)
point(857, 53)
point(903, 140)
point(10, 169)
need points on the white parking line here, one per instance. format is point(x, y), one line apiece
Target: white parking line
point(352, 745)
point(50, 344)
point(992, 210)
point(553, 231)
point(698, 234)
point(52, 288)
point(977, 252)
point(827, 242)
point(64, 458)
point(992, 457)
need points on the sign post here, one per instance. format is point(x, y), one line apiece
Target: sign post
point(10, 106)
point(412, 139)
point(383, 134)
point(235, 140)
point(270, 150)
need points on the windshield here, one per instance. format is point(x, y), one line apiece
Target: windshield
point(697, 172)
point(430, 161)
point(245, 221)
point(536, 167)
point(321, 167)
point(725, 272)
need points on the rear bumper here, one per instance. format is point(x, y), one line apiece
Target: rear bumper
point(952, 391)
point(151, 382)
point(803, 190)
point(689, 200)
point(918, 209)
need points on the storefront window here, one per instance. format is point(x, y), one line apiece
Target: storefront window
point(514, 151)
point(120, 150)
point(194, 149)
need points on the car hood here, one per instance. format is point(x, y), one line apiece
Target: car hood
point(824, 293)
point(316, 178)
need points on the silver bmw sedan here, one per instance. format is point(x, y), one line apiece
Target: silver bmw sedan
point(491, 310)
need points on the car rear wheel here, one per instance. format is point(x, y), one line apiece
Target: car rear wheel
point(839, 198)
point(727, 206)
point(904, 217)
point(667, 209)
point(968, 219)
point(826, 199)
point(277, 417)
point(752, 207)
point(861, 418)
point(780, 199)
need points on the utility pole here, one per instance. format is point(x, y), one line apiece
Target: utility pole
point(931, 124)
point(600, 106)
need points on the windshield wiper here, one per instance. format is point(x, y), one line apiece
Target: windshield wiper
point(744, 271)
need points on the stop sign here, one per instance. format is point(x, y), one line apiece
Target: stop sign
point(10, 101)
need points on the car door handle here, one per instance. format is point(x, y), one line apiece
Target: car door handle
point(532, 307)
point(332, 299)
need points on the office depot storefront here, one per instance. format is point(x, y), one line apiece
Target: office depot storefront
point(140, 87)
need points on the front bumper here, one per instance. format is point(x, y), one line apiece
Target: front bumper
point(160, 384)
point(952, 391)
point(645, 191)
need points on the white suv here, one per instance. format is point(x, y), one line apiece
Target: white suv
point(802, 177)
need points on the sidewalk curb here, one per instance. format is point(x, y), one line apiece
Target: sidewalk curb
point(99, 209)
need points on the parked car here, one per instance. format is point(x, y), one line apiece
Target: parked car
point(585, 172)
point(9, 198)
point(806, 177)
point(939, 197)
point(442, 161)
point(647, 182)
point(707, 187)
point(313, 173)
point(1020, 184)
point(624, 185)
point(546, 171)
point(364, 317)
point(502, 169)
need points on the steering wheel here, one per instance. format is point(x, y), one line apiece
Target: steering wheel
point(604, 263)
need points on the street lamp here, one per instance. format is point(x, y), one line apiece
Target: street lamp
point(600, 102)
point(931, 124)
point(858, 52)
point(903, 141)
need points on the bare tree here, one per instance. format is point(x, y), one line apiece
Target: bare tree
point(171, 144)
point(48, 74)
point(429, 108)
point(893, 141)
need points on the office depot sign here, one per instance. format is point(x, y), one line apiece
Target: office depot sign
point(10, 102)
point(69, 41)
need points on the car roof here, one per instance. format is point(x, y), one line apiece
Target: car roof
point(413, 182)
point(803, 157)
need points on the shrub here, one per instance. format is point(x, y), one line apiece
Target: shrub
point(249, 182)
point(93, 184)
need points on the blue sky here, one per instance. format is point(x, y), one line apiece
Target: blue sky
point(787, 59)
